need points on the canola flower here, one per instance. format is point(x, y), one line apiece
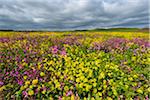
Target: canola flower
point(31, 92)
point(35, 81)
point(75, 66)
point(42, 74)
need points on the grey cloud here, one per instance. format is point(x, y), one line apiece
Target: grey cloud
point(72, 14)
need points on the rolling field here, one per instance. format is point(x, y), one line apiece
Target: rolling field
point(74, 65)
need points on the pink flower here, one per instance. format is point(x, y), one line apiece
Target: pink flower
point(34, 71)
point(59, 98)
point(20, 82)
point(25, 93)
point(69, 93)
point(27, 48)
point(20, 66)
point(7, 73)
point(25, 59)
point(147, 98)
point(1, 83)
point(77, 95)
point(54, 49)
point(26, 72)
point(36, 91)
point(63, 52)
point(16, 72)
point(65, 77)
point(41, 79)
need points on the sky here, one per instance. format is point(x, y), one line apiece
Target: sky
point(72, 14)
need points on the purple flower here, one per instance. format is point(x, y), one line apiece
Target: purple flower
point(141, 42)
point(36, 91)
point(1, 83)
point(26, 73)
point(7, 73)
point(41, 79)
point(63, 52)
point(4, 40)
point(111, 44)
point(54, 49)
point(16, 72)
point(34, 71)
point(20, 82)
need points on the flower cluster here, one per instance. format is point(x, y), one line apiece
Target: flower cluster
point(63, 66)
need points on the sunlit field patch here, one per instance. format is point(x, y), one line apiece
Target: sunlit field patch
point(74, 65)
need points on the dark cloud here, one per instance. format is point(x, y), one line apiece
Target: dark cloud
point(73, 14)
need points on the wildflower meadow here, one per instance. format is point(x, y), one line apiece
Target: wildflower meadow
point(74, 66)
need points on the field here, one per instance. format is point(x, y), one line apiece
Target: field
point(90, 65)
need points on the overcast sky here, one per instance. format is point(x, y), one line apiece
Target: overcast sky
point(72, 14)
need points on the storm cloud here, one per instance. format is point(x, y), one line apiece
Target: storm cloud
point(73, 14)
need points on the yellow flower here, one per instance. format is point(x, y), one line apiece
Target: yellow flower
point(30, 92)
point(63, 98)
point(130, 78)
point(95, 91)
point(44, 91)
point(59, 73)
point(82, 77)
point(139, 91)
point(25, 77)
point(94, 84)
point(90, 73)
point(85, 80)
point(72, 87)
point(27, 82)
point(81, 85)
point(2, 88)
point(57, 85)
point(84, 98)
point(42, 74)
point(99, 94)
point(104, 86)
point(148, 89)
point(50, 63)
point(125, 63)
point(50, 82)
point(35, 81)
point(104, 81)
point(133, 58)
point(102, 75)
point(50, 98)
point(134, 84)
point(92, 98)
point(25, 86)
point(109, 74)
point(66, 88)
point(31, 86)
point(131, 99)
point(109, 98)
point(71, 78)
point(77, 80)
point(39, 67)
point(115, 92)
point(72, 97)
point(88, 87)
point(22, 88)
point(135, 76)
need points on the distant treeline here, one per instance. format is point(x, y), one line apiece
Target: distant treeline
point(97, 29)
